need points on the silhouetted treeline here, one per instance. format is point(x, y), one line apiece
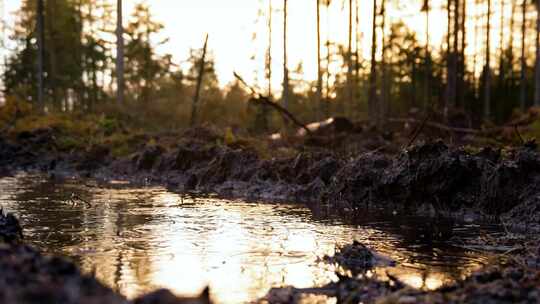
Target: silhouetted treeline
point(67, 51)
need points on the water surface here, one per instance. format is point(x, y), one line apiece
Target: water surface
point(136, 240)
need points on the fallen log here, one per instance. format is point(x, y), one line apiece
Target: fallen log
point(441, 126)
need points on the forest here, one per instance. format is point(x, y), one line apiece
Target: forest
point(466, 75)
point(302, 151)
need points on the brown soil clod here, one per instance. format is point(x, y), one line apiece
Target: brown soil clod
point(357, 258)
point(10, 229)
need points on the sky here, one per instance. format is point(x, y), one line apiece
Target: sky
point(231, 24)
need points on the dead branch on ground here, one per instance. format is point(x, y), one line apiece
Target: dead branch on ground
point(264, 100)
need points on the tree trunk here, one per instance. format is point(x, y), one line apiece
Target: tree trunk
point(41, 54)
point(487, 70)
point(537, 66)
point(452, 51)
point(455, 53)
point(372, 101)
point(269, 55)
point(427, 95)
point(326, 73)
point(449, 78)
point(511, 44)
point(357, 50)
point(92, 73)
point(119, 53)
point(285, 96)
point(350, 94)
point(501, 47)
point(475, 55)
point(199, 84)
point(384, 101)
point(319, 69)
point(523, 88)
point(461, 58)
point(52, 73)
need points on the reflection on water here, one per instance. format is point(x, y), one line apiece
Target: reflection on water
point(140, 239)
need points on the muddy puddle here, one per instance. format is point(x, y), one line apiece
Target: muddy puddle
point(136, 240)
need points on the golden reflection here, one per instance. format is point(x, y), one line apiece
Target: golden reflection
point(422, 279)
point(138, 240)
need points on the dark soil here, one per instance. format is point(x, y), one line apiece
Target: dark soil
point(433, 179)
point(357, 258)
point(512, 279)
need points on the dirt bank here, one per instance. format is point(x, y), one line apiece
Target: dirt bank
point(432, 178)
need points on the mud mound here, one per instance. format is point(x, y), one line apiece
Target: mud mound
point(164, 296)
point(432, 177)
point(511, 182)
point(432, 174)
point(29, 277)
point(444, 179)
point(510, 284)
point(10, 229)
point(357, 258)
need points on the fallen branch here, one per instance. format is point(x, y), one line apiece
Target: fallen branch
point(441, 126)
point(260, 99)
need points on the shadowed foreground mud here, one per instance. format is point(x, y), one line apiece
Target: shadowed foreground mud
point(28, 276)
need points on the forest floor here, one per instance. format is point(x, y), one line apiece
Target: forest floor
point(340, 168)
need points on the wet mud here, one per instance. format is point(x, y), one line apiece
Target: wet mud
point(432, 179)
point(511, 279)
